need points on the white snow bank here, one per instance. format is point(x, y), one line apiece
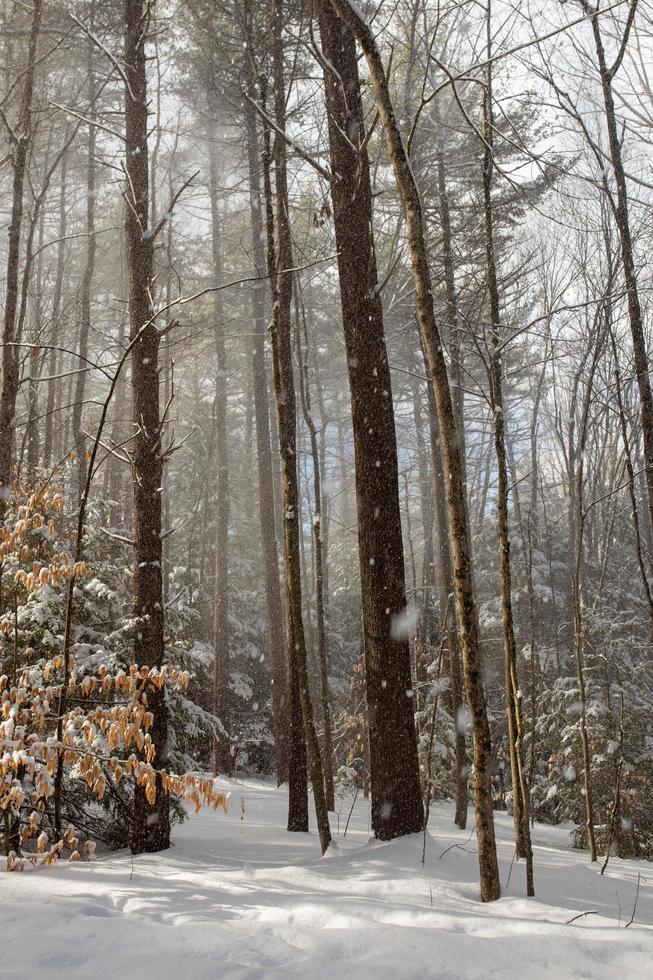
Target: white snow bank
point(241, 898)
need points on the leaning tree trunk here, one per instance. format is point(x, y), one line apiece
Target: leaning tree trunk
point(396, 796)
point(21, 141)
point(454, 328)
point(446, 594)
point(445, 572)
point(467, 615)
point(151, 821)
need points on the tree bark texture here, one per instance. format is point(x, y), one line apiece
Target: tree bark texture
point(151, 822)
point(281, 339)
point(10, 354)
point(396, 796)
point(465, 601)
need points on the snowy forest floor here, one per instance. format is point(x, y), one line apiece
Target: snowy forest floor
point(241, 898)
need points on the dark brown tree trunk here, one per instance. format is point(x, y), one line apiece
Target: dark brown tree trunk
point(117, 491)
point(445, 573)
point(326, 503)
point(454, 329)
point(467, 615)
point(295, 740)
point(168, 392)
point(21, 142)
point(284, 384)
point(396, 796)
point(151, 821)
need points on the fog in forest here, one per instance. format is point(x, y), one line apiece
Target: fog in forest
point(326, 430)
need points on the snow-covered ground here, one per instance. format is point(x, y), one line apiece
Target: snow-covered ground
point(238, 897)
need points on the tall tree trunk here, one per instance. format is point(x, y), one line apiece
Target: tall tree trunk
point(597, 347)
point(424, 630)
point(287, 417)
point(267, 517)
point(32, 254)
point(151, 821)
point(21, 142)
point(446, 595)
point(454, 329)
point(396, 796)
point(622, 220)
point(571, 465)
point(318, 557)
point(53, 356)
point(284, 383)
point(295, 740)
point(326, 503)
point(630, 470)
point(223, 760)
point(579, 651)
point(520, 797)
point(343, 491)
point(168, 393)
point(467, 615)
point(117, 490)
point(87, 279)
point(32, 434)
